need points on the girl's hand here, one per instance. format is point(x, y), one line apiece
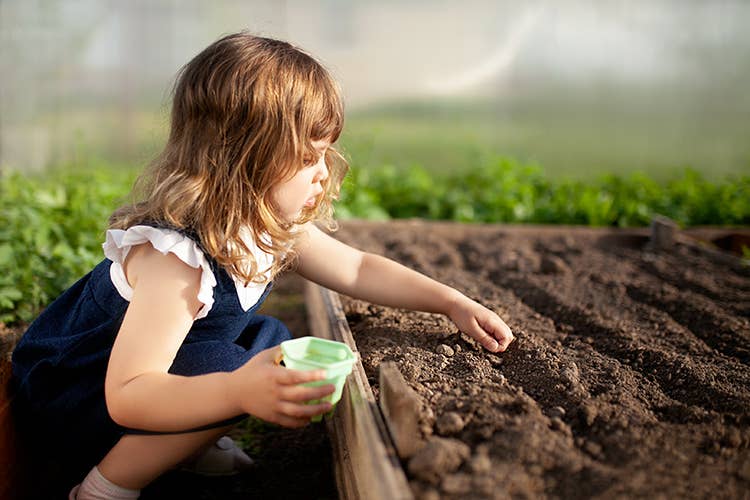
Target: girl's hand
point(481, 324)
point(273, 393)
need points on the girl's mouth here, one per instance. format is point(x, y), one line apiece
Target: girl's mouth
point(312, 200)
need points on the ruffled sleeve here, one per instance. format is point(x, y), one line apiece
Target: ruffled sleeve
point(119, 242)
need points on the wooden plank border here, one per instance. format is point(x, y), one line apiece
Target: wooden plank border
point(365, 460)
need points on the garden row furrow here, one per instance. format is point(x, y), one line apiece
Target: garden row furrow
point(720, 285)
point(727, 334)
point(675, 373)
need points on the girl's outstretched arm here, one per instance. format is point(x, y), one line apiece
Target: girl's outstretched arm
point(141, 394)
point(376, 279)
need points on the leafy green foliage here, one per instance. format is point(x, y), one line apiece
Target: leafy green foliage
point(52, 225)
point(506, 191)
point(51, 231)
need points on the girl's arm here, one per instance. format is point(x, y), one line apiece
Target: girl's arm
point(141, 394)
point(376, 279)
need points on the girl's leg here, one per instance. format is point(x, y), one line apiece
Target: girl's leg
point(136, 460)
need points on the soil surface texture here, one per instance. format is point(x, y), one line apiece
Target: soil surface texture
point(629, 377)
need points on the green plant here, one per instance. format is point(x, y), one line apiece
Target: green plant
point(51, 231)
point(52, 225)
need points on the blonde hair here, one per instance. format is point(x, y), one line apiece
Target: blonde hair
point(245, 112)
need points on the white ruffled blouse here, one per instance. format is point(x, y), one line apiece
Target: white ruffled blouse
point(119, 242)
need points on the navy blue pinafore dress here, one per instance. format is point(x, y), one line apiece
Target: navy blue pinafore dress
point(59, 365)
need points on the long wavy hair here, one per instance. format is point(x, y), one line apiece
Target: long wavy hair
point(245, 112)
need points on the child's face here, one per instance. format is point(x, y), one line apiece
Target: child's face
point(303, 190)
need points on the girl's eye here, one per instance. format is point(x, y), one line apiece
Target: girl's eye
point(309, 161)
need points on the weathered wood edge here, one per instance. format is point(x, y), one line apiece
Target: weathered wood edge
point(365, 460)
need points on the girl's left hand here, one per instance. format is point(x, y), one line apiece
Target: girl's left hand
point(481, 324)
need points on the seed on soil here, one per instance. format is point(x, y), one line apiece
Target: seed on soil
point(438, 457)
point(450, 423)
point(445, 350)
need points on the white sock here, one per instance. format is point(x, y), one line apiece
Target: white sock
point(97, 487)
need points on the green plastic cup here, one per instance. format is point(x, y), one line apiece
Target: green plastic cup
point(313, 353)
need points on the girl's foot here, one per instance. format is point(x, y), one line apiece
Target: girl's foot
point(223, 458)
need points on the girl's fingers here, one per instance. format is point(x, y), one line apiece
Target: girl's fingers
point(287, 376)
point(488, 342)
point(298, 393)
point(482, 337)
point(300, 411)
point(287, 421)
point(497, 328)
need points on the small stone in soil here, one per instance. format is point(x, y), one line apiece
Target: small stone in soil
point(557, 412)
point(450, 423)
point(445, 350)
point(438, 457)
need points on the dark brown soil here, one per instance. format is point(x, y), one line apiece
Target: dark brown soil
point(630, 375)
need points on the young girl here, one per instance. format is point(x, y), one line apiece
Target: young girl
point(148, 359)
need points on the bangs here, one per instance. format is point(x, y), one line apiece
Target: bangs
point(325, 109)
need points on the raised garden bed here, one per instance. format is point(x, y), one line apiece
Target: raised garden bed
point(630, 375)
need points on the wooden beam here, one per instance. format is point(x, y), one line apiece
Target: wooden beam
point(365, 460)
